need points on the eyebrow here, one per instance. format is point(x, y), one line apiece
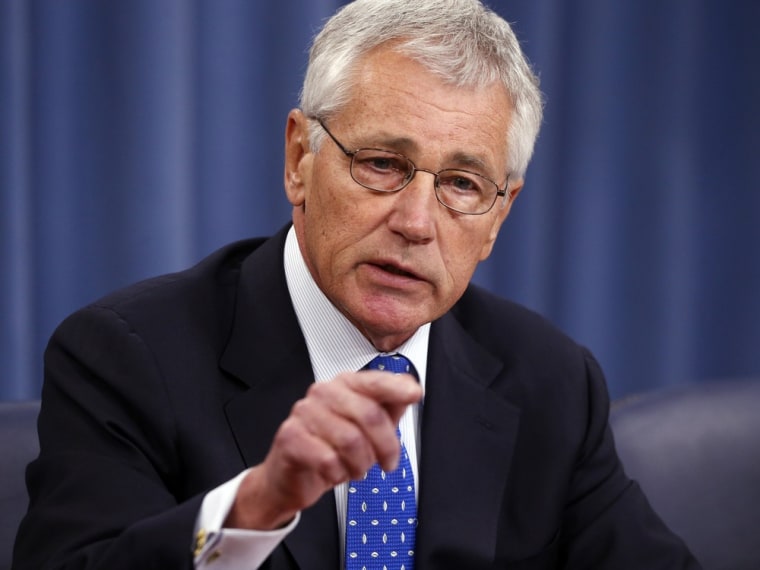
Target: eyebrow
point(399, 144)
point(471, 161)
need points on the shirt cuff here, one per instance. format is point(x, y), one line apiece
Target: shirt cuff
point(231, 548)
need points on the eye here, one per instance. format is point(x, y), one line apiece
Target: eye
point(460, 182)
point(380, 162)
point(380, 169)
point(464, 184)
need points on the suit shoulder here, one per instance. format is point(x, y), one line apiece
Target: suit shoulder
point(486, 315)
point(521, 337)
point(555, 375)
point(214, 272)
point(201, 296)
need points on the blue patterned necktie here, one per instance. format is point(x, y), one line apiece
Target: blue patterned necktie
point(381, 516)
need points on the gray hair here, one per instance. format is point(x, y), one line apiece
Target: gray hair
point(462, 41)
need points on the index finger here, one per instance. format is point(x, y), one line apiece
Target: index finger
point(386, 387)
point(393, 392)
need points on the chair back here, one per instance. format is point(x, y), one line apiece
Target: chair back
point(695, 451)
point(18, 446)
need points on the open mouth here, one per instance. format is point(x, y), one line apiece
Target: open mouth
point(396, 271)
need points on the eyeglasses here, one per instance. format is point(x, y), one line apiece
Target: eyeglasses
point(386, 171)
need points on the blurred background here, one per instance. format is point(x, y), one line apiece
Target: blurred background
point(138, 136)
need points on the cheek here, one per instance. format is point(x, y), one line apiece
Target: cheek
point(328, 203)
point(332, 228)
point(462, 253)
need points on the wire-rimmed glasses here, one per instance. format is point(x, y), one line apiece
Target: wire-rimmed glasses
point(459, 190)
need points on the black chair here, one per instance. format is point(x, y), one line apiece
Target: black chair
point(18, 446)
point(696, 453)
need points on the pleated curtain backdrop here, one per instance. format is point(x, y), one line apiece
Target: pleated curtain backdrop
point(136, 137)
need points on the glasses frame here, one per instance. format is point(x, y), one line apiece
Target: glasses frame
point(500, 192)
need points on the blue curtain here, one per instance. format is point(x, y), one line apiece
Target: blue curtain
point(136, 137)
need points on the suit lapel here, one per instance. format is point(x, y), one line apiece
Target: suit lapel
point(267, 352)
point(468, 436)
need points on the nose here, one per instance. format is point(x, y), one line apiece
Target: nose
point(415, 208)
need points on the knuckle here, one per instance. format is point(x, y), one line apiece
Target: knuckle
point(344, 376)
point(290, 430)
point(349, 441)
point(330, 467)
point(390, 450)
point(372, 379)
point(343, 380)
point(317, 390)
point(374, 417)
point(299, 407)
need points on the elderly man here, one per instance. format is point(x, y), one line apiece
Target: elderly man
point(246, 413)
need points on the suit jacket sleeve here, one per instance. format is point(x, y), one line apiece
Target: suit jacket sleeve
point(155, 395)
point(133, 430)
point(106, 490)
point(608, 521)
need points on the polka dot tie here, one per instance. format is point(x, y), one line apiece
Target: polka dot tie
point(381, 516)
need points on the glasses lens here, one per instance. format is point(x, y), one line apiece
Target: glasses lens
point(380, 170)
point(465, 191)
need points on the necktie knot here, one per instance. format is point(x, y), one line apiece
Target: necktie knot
point(396, 363)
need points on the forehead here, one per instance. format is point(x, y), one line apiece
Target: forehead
point(396, 98)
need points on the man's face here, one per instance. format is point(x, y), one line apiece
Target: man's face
point(392, 262)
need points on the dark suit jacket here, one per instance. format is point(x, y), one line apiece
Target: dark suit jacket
point(164, 390)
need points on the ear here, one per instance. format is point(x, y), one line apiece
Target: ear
point(298, 158)
point(504, 206)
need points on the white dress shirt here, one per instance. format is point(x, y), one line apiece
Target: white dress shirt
point(334, 346)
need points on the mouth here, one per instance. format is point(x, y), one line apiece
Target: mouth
point(394, 269)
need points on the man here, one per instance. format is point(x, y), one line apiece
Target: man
point(181, 423)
